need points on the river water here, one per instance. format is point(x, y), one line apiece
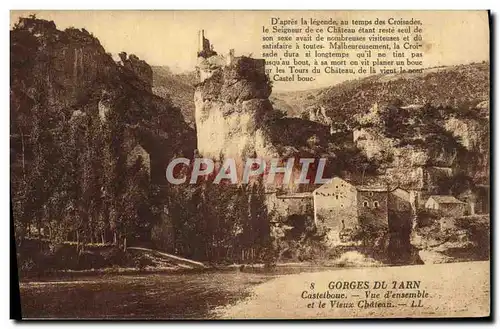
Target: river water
point(140, 296)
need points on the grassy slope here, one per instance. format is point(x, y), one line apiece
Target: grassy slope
point(450, 86)
point(178, 87)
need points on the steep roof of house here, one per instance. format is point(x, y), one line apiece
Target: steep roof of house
point(402, 194)
point(366, 184)
point(371, 183)
point(331, 182)
point(372, 188)
point(445, 199)
point(297, 195)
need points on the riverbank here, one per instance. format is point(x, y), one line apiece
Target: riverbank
point(41, 259)
point(161, 263)
point(455, 290)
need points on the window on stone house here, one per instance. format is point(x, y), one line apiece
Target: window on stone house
point(365, 204)
point(375, 204)
point(337, 197)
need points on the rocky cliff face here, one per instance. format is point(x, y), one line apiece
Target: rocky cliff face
point(473, 134)
point(444, 141)
point(231, 105)
point(138, 69)
point(448, 239)
point(68, 71)
point(68, 63)
point(456, 135)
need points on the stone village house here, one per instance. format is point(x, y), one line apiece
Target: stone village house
point(446, 205)
point(342, 207)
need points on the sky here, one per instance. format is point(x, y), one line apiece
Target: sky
point(171, 37)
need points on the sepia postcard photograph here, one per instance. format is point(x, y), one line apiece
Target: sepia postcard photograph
point(227, 164)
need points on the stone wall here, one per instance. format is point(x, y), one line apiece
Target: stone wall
point(290, 204)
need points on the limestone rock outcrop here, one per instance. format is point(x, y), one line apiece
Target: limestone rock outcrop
point(139, 68)
point(231, 105)
point(448, 239)
point(474, 135)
